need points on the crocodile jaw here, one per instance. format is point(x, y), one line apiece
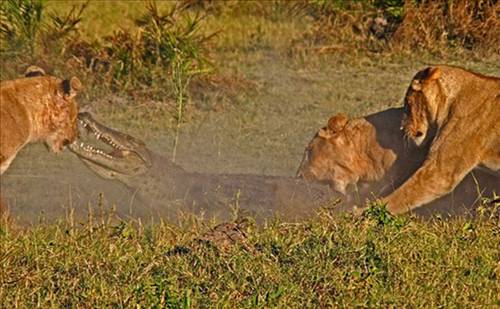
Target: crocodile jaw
point(124, 158)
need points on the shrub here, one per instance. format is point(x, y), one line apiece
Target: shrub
point(20, 24)
point(23, 28)
point(160, 52)
point(348, 26)
point(437, 25)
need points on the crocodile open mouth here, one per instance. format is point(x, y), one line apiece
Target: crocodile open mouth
point(108, 147)
point(109, 150)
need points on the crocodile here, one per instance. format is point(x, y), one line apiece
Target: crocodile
point(169, 191)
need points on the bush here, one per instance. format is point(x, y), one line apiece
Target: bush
point(23, 28)
point(20, 24)
point(162, 51)
point(349, 26)
point(436, 26)
point(439, 27)
point(167, 42)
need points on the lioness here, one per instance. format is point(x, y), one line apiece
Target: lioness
point(463, 109)
point(346, 152)
point(35, 109)
point(369, 154)
point(359, 151)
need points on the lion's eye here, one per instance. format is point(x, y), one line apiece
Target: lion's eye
point(308, 153)
point(406, 109)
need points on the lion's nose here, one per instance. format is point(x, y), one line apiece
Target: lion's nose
point(419, 134)
point(66, 142)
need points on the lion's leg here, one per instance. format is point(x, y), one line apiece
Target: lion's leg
point(491, 162)
point(440, 174)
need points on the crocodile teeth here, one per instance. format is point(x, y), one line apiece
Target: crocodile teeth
point(99, 136)
point(83, 123)
point(111, 142)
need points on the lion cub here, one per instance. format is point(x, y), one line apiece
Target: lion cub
point(347, 151)
point(370, 154)
point(40, 108)
point(463, 109)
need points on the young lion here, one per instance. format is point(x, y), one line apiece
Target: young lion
point(370, 154)
point(344, 153)
point(359, 151)
point(463, 109)
point(34, 109)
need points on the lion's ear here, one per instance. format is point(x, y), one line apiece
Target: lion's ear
point(434, 73)
point(325, 133)
point(71, 87)
point(429, 74)
point(416, 85)
point(337, 123)
point(33, 71)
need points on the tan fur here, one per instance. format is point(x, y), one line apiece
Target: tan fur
point(464, 109)
point(344, 153)
point(38, 108)
point(35, 109)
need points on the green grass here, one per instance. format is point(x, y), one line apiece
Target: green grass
point(346, 262)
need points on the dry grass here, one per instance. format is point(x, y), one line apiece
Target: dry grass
point(450, 26)
point(441, 28)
